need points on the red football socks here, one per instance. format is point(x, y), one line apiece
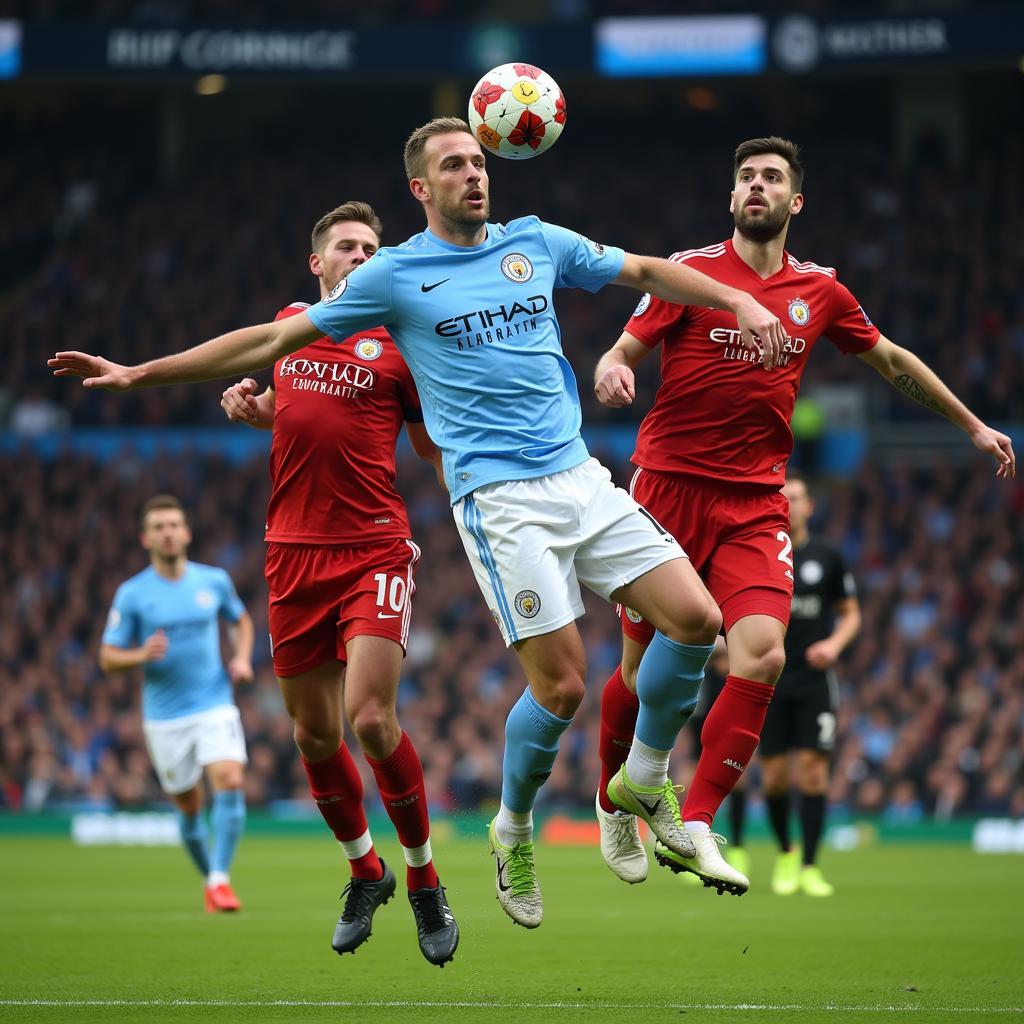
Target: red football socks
point(338, 792)
point(729, 737)
point(400, 781)
point(619, 708)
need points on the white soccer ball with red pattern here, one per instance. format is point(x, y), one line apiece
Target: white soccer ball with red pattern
point(517, 111)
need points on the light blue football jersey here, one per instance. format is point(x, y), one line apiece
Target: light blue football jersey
point(191, 677)
point(477, 328)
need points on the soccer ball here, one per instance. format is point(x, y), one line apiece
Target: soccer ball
point(517, 111)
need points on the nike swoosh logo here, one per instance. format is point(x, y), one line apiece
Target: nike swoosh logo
point(501, 879)
point(381, 615)
point(431, 287)
point(649, 808)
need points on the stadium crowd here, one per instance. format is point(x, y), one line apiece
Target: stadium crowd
point(932, 719)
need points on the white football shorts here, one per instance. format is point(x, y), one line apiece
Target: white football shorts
point(532, 542)
point(181, 747)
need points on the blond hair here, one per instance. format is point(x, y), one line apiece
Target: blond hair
point(415, 164)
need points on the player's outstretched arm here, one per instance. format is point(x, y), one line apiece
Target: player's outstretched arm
point(250, 348)
point(614, 381)
point(242, 405)
point(676, 282)
point(121, 659)
point(909, 374)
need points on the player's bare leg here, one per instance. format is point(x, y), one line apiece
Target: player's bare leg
point(729, 737)
point(812, 781)
point(672, 598)
point(371, 690)
point(555, 665)
point(314, 702)
point(227, 820)
point(775, 779)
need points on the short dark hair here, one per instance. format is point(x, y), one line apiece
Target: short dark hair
point(415, 167)
point(789, 151)
point(361, 213)
point(158, 503)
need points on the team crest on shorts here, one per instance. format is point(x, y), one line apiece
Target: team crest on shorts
point(337, 291)
point(799, 312)
point(516, 267)
point(369, 349)
point(527, 603)
point(635, 617)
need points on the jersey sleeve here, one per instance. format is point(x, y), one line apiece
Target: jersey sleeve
point(357, 302)
point(231, 607)
point(849, 327)
point(123, 626)
point(292, 310)
point(842, 583)
point(579, 262)
point(653, 318)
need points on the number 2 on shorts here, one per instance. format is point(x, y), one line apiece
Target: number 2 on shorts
point(787, 548)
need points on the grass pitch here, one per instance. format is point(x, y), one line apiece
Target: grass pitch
point(914, 933)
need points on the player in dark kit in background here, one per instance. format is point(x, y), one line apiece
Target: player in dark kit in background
point(801, 718)
point(340, 567)
point(711, 457)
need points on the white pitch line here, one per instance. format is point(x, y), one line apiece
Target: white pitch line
point(490, 1005)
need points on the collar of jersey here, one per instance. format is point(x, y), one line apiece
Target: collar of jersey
point(485, 244)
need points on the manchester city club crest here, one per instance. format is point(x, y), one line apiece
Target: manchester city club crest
point(527, 603)
point(337, 290)
point(368, 349)
point(799, 312)
point(205, 599)
point(516, 267)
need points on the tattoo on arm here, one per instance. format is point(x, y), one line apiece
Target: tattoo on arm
point(912, 389)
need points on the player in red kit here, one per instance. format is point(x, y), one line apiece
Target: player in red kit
point(711, 460)
point(340, 569)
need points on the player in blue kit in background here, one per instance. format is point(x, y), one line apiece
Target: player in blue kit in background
point(166, 620)
point(470, 306)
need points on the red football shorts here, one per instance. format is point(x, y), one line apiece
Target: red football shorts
point(321, 597)
point(736, 537)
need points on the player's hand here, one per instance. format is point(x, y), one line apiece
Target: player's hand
point(239, 402)
point(761, 329)
point(156, 646)
point(95, 371)
point(240, 670)
point(822, 655)
point(998, 445)
point(615, 387)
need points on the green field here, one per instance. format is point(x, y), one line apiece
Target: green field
point(918, 933)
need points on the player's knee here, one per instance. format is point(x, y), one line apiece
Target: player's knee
point(317, 743)
point(561, 696)
point(376, 728)
point(768, 664)
point(696, 621)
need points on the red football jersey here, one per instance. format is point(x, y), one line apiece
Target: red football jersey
point(339, 410)
point(717, 413)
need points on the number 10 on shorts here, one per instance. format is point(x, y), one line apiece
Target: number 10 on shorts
point(393, 594)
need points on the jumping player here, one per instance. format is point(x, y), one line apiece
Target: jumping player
point(165, 620)
point(470, 306)
point(340, 569)
point(711, 460)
